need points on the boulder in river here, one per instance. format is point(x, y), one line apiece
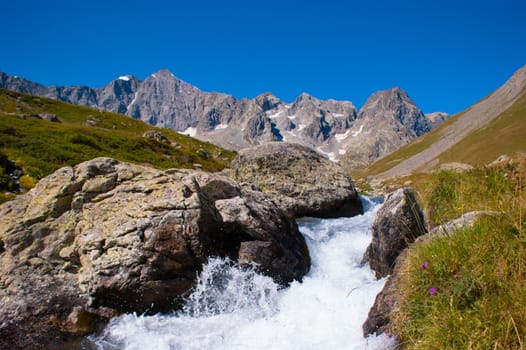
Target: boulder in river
point(398, 222)
point(106, 237)
point(300, 179)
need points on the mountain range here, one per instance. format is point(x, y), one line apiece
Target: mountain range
point(388, 120)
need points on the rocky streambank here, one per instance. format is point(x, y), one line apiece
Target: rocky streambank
point(105, 237)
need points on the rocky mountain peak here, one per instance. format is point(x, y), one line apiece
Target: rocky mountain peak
point(15, 83)
point(305, 98)
point(388, 120)
point(268, 101)
point(390, 99)
point(396, 104)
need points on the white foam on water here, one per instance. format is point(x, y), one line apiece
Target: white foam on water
point(237, 308)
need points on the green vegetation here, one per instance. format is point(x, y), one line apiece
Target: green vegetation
point(504, 135)
point(40, 146)
point(466, 290)
point(409, 150)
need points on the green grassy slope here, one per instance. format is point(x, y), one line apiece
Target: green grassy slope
point(470, 294)
point(41, 146)
point(506, 134)
point(503, 135)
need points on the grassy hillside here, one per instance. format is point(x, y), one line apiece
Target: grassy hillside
point(503, 135)
point(405, 152)
point(506, 134)
point(466, 290)
point(40, 146)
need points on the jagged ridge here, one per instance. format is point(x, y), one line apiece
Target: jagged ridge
point(335, 128)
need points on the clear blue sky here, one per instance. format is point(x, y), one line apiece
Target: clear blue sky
point(446, 54)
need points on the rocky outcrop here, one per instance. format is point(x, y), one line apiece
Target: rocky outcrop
point(436, 118)
point(105, 237)
point(156, 135)
point(301, 180)
point(447, 228)
point(378, 318)
point(398, 223)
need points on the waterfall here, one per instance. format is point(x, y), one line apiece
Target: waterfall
point(237, 308)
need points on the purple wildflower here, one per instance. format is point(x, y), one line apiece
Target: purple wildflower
point(432, 291)
point(424, 265)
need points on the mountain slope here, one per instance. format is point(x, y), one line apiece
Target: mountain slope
point(389, 119)
point(478, 135)
point(43, 134)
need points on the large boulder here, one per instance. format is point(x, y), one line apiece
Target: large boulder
point(105, 237)
point(300, 179)
point(398, 222)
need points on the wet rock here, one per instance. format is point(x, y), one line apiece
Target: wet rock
point(106, 237)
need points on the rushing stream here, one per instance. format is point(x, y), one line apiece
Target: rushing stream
point(233, 308)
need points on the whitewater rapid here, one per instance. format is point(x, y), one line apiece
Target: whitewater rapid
point(233, 308)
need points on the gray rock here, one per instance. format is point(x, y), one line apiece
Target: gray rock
point(301, 180)
point(156, 135)
point(378, 318)
point(455, 166)
point(464, 221)
point(267, 101)
point(118, 94)
point(398, 222)
point(42, 116)
point(388, 120)
point(106, 237)
point(25, 86)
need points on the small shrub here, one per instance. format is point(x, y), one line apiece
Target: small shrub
point(81, 139)
point(27, 182)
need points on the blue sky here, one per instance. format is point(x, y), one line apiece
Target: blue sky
point(445, 54)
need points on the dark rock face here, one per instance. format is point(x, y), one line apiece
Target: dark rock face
point(21, 85)
point(397, 224)
point(117, 95)
point(106, 237)
point(267, 101)
point(386, 301)
point(301, 180)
